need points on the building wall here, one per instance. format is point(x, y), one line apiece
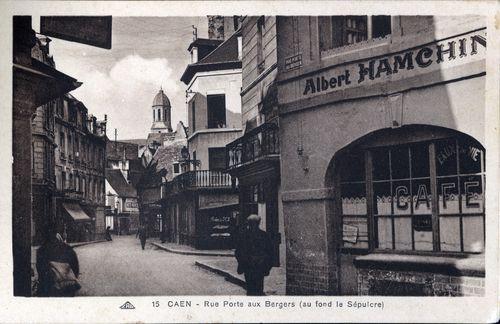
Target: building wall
point(257, 82)
point(226, 82)
point(433, 284)
point(319, 125)
point(202, 141)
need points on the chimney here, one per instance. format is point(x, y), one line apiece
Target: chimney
point(216, 27)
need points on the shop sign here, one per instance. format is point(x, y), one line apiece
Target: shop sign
point(293, 62)
point(350, 233)
point(442, 54)
point(90, 30)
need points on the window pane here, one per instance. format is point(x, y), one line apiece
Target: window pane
point(353, 199)
point(471, 189)
point(381, 26)
point(423, 239)
point(352, 167)
point(446, 157)
point(401, 197)
point(384, 230)
point(400, 163)
point(449, 233)
point(473, 233)
point(382, 198)
point(216, 158)
point(381, 167)
point(470, 157)
point(402, 231)
point(216, 105)
point(419, 160)
point(421, 196)
point(448, 195)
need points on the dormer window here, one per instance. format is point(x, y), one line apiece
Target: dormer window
point(194, 55)
point(338, 31)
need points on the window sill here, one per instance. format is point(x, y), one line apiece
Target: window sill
point(466, 265)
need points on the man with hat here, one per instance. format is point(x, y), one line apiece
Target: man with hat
point(254, 255)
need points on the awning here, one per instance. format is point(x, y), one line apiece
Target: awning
point(76, 212)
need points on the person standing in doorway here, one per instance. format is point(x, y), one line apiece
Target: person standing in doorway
point(254, 255)
point(143, 235)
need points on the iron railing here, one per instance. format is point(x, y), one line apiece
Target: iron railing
point(200, 179)
point(262, 141)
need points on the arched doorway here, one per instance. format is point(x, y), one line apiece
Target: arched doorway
point(412, 190)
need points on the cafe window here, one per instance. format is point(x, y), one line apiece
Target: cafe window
point(216, 106)
point(426, 196)
point(338, 31)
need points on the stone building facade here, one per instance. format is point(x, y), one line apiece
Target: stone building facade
point(254, 158)
point(67, 150)
point(80, 162)
point(383, 168)
point(42, 147)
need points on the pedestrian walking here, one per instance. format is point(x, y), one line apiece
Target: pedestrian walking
point(107, 235)
point(143, 235)
point(254, 255)
point(58, 268)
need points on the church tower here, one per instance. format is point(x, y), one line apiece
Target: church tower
point(161, 114)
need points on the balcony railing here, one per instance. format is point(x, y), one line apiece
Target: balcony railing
point(199, 179)
point(260, 142)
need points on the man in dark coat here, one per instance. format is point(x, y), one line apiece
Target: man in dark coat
point(108, 234)
point(143, 235)
point(54, 249)
point(254, 255)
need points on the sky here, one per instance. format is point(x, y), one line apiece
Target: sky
point(147, 53)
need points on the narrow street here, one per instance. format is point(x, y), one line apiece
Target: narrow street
point(122, 268)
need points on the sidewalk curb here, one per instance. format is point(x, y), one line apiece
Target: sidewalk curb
point(199, 253)
point(228, 276)
point(78, 244)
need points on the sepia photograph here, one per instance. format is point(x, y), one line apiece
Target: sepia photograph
point(250, 155)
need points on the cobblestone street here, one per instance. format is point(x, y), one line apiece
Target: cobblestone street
point(121, 268)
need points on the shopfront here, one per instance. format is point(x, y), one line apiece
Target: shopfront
point(417, 190)
point(383, 160)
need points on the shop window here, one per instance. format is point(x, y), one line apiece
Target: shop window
point(217, 158)
point(424, 196)
point(338, 31)
point(216, 106)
